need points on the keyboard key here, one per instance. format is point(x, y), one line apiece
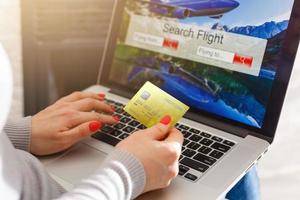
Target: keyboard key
point(109, 101)
point(118, 104)
point(229, 143)
point(182, 170)
point(183, 127)
point(194, 131)
point(195, 138)
point(125, 135)
point(220, 147)
point(204, 150)
point(189, 153)
point(134, 123)
point(119, 126)
point(186, 134)
point(205, 135)
point(118, 115)
point(106, 129)
point(119, 110)
point(216, 154)
point(115, 133)
point(193, 145)
point(106, 138)
point(205, 159)
point(194, 164)
point(180, 129)
point(141, 126)
point(180, 157)
point(218, 139)
point(206, 142)
point(185, 142)
point(128, 129)
point(125, 120)
point(126, 114)
point(191, 177)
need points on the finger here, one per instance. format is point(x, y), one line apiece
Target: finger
point(83, 117)
point(82, 131)
point(75, 96)
point(109, 119)
point(160, 130)
point(89, 104)
point(175, 136)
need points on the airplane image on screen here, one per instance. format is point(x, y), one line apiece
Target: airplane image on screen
point(190, 8)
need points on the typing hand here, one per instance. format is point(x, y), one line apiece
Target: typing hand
point(68, 121)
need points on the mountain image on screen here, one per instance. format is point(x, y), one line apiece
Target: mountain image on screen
point(264, 31)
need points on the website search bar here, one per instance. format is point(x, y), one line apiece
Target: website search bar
point(225, 56)
point(148, 39)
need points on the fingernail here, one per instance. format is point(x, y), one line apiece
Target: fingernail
point(116, 118)
point(94, 126)
point(166, 120)
point(113, 108)
point(101, 95)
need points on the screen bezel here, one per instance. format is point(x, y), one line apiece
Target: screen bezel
point(286, 61)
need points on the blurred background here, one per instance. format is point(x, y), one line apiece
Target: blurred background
point(58, 50)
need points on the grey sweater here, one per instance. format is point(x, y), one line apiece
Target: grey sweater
point(22, 176)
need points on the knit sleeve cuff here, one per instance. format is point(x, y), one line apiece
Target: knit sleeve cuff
point(134, 167)
point(19, 131)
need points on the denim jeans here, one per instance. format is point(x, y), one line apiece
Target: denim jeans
point(247, 188)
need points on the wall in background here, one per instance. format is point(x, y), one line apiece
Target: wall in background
point(10, 37)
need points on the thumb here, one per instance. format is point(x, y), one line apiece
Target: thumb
point(82, 131)
point(160, 130)
point(175, 138)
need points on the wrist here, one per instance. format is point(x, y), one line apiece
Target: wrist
point(134, 168)
point(19, 132)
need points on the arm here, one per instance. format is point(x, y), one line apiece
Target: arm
point(151, 153)
point(121, 177)
point(18, 132)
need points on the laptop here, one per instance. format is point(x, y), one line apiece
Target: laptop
point(230, 61)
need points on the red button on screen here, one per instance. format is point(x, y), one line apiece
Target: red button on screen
point(243, 60)
point(170, 43)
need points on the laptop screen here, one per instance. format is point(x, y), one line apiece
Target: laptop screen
point(217, 56)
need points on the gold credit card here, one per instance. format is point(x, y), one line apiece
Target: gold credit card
point(150, 104)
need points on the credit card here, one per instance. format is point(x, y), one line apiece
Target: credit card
point(150, 104)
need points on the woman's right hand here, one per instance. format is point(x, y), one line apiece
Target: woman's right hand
point(158, 148)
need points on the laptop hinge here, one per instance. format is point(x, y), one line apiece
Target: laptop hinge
point(268, 139)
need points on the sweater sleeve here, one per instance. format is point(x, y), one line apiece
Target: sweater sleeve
point(18, 132)
point(121, 177)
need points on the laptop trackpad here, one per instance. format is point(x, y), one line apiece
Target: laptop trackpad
point(80, 162)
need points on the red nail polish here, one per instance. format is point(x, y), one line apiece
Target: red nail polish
point(113, 108)
point(94, 126)
point(166, 120)
point(116, 118)
point(101, 95)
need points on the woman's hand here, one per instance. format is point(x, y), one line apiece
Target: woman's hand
point(68, 121)
point(158, 148)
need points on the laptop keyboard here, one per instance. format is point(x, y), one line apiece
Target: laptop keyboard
point(200, 150)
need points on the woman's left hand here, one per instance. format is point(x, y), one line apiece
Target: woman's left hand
point(68, 121)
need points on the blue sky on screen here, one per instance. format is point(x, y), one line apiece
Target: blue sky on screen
point(250, 12)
